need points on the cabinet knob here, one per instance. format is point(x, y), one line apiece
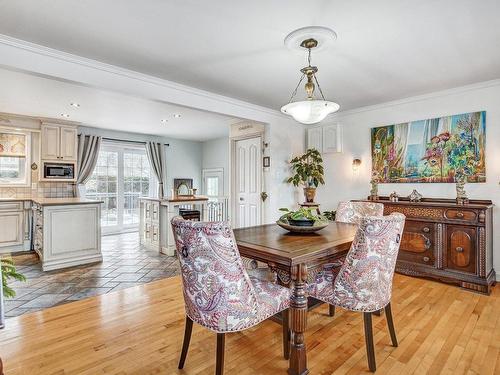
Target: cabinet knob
point(460, 214)
point(459, 249)
point(426, 229)
point(426, 259)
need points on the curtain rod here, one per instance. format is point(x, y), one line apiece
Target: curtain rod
point(124, 140)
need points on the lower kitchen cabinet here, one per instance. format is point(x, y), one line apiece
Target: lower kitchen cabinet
point(14, 226)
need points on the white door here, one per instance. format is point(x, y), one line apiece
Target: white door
point(213, 182)
point(121, 176)
point(248, 155)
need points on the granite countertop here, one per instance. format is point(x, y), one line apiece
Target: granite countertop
point(50, 201)
point(64, 201)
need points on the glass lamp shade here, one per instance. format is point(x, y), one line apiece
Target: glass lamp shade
point(310, 111)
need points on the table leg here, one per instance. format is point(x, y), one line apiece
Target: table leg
point(298, 321)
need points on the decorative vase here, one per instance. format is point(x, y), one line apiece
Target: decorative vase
point(415, 196)
point(309, 194)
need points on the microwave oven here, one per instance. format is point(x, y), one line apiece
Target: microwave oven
point(59, 171)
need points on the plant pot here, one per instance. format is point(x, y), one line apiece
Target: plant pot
point(309, 194)
point(301, 223)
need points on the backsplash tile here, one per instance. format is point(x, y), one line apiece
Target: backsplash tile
point(44, 189)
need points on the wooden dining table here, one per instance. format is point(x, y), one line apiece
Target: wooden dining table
point(296, 258)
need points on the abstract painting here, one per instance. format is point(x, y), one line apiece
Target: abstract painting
point(434, 150)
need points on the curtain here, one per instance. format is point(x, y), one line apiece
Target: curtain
point(156, 156)
point(88, 152)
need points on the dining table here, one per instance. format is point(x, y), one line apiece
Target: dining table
point(296, 258)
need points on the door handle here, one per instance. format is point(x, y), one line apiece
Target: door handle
point(242, 199)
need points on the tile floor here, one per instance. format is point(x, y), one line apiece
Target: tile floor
point(125, 264)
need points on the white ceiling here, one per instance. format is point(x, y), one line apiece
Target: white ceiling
point(31, 95)
point(386, 49)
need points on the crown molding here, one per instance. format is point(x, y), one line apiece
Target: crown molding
point(419, 98)
point(130, 74)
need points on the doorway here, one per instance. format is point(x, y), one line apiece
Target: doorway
point(246, 182)
point(121, 176)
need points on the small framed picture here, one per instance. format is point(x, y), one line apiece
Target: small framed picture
point(266, 161)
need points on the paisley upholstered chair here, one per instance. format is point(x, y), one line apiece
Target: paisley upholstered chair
point(218, 292)
point(364, 282)
point(352, 212)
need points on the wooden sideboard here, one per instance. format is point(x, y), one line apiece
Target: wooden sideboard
point(446, 241)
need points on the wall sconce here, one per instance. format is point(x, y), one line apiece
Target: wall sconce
point(356, 162)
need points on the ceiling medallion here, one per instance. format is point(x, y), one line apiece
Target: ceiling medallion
point(312, 110)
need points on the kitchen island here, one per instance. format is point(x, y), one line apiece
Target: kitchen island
point(155, 231)
point(64, 232)
point(67, 232)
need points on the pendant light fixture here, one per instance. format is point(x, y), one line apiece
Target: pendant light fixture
point(313, 109)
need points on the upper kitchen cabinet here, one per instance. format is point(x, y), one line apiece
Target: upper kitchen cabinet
point(59, 142)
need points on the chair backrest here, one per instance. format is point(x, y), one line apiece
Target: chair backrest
point(218, 293)
point(353, 212)
point(364, 282)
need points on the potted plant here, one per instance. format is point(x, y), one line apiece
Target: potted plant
point(7, 271)
point(303, 217)
point(309, 172)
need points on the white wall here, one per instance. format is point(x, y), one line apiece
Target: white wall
point(183, 157)
point(286, 140)
point(342, 184)
point(215, 154)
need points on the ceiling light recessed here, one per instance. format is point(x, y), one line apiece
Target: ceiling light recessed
point(74, 104)
point(64, 115)
point(164, 121)
point(177, 115)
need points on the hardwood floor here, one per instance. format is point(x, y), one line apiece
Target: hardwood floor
point(440, 329)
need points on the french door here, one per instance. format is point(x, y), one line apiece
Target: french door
point(121, 176)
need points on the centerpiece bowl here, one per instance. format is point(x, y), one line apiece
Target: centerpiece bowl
point(301, 228)
point(301, 221)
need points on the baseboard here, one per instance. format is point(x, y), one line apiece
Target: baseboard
point(57, 264)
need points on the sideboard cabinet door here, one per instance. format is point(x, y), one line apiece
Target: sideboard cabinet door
point(461, 251)
point(417, 243)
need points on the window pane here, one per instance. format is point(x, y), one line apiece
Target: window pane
point(102, 185)
point(136, 183)
point(213, 186)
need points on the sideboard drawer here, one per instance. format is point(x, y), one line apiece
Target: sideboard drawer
point(459, 214)
point(417, 243)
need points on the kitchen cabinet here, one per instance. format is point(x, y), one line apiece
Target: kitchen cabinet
point(11, 228)
point(325, 139)
point(67, 234)
point(59, 142)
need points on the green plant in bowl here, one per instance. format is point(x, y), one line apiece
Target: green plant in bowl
point(303, 217)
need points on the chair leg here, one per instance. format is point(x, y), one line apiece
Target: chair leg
point(370, 350)
point(378, 313)
point(390, 324)
point(219, 362)
point(187, 339)
point(331, 310)
point(286, 333)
